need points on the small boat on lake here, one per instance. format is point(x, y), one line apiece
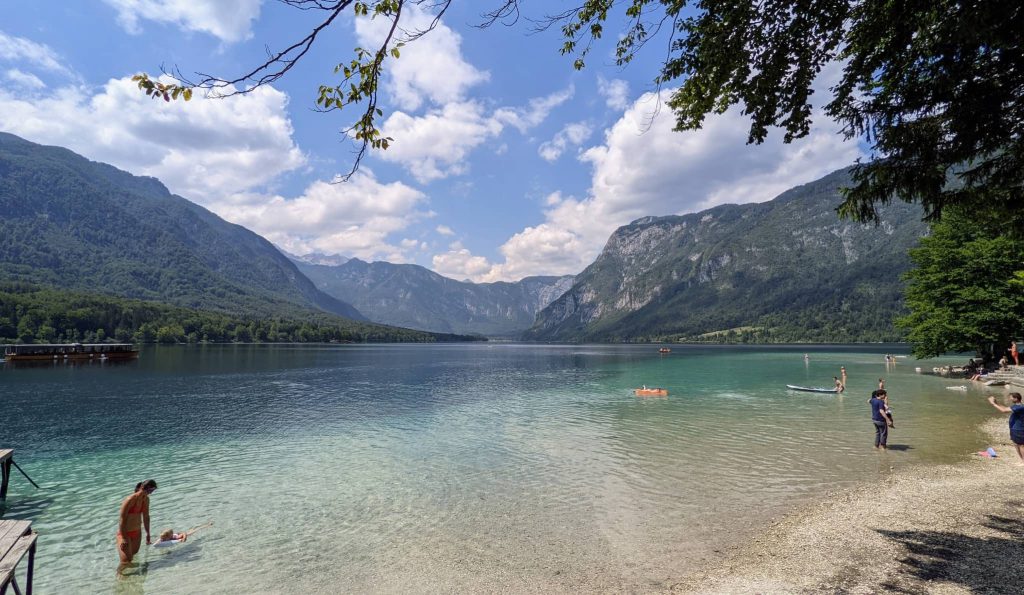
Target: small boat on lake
point(664, 350)
point(77, 352)
point(650, 392)
point(812, 389)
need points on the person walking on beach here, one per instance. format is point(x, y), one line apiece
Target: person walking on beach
point(880, 418)
point(134, 515)
point(1016, 411)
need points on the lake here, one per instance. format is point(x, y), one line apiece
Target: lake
point(440, 468)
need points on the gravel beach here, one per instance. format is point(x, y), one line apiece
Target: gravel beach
point(932, 529)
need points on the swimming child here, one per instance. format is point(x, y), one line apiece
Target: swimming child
point(168, 537)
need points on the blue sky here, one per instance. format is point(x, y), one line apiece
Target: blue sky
point(506, 162)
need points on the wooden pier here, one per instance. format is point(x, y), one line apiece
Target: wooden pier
point(16, 539)
point(6, 461)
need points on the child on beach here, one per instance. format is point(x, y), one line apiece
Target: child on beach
point(168, 537)
point(1016, 411)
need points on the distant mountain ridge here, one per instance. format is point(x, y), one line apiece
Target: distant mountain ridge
point(780, 271)
point(412, 296)
point(74, 224)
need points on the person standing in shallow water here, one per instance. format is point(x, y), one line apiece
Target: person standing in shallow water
point(134, 515)
point(1016, 411)
point(880, 418)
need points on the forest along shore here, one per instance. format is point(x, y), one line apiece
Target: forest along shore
point(933, 529)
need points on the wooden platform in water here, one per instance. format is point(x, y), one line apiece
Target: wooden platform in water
point(16, 539)
point(6, 460)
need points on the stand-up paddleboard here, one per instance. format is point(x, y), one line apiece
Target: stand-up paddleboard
point(812, 389)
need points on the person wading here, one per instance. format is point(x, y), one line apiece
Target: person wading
point(134, 515)
point(880, 418)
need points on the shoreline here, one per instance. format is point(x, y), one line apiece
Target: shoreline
point(952, 528)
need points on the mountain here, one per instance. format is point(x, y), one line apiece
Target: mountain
point(73, 224)
point(787, 270)
point(412, 296)
point(318, 258)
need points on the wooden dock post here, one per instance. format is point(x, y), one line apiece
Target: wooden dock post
point(16, 538)
point(6, 460)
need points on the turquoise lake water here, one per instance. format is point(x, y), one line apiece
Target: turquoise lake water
point(449, 468)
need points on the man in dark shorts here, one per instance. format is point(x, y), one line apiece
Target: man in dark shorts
point(880, 418)
point(1016, 411)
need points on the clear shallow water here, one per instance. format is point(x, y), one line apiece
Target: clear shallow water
point(447, 467)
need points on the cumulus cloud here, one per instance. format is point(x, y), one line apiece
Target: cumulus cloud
point(615, 92)
point(644, 168)
point(431, 67)
point(354, 218)
point(459, 263)
point(437, 144)
point(228, 21)
point(571, 135)
point(26, 80)
point(445, 230)
point(203, 150)
point(27, 52)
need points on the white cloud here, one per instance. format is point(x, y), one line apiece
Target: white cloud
point(571, 135)
point(353, 218)
point(459, 263)
point(645, 168)
point(445, 230)
point(228, 20)
point(204, 150)
point(615, 92)
point(429, 68)
point(535, 112)
point(24, 79)
point(25, 51)
point(437, 144)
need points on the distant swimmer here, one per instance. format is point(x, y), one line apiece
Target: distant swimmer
point(807, 357)
point(881, 384)
point(842, 374)
point(839, 385)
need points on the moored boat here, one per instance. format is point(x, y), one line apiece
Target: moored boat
point(40, 352)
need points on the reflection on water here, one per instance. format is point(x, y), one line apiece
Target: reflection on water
point(446, 467)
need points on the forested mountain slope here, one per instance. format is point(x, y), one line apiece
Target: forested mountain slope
point(780, 271)
point(70, 223)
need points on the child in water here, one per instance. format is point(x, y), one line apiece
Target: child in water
point(168, 537)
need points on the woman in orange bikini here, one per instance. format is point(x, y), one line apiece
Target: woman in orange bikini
point(134, 516)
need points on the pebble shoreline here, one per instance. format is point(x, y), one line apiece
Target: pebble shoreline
point(932, 529)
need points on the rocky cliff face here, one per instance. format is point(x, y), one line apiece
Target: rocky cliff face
point(785, 270)
point(412, 296)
